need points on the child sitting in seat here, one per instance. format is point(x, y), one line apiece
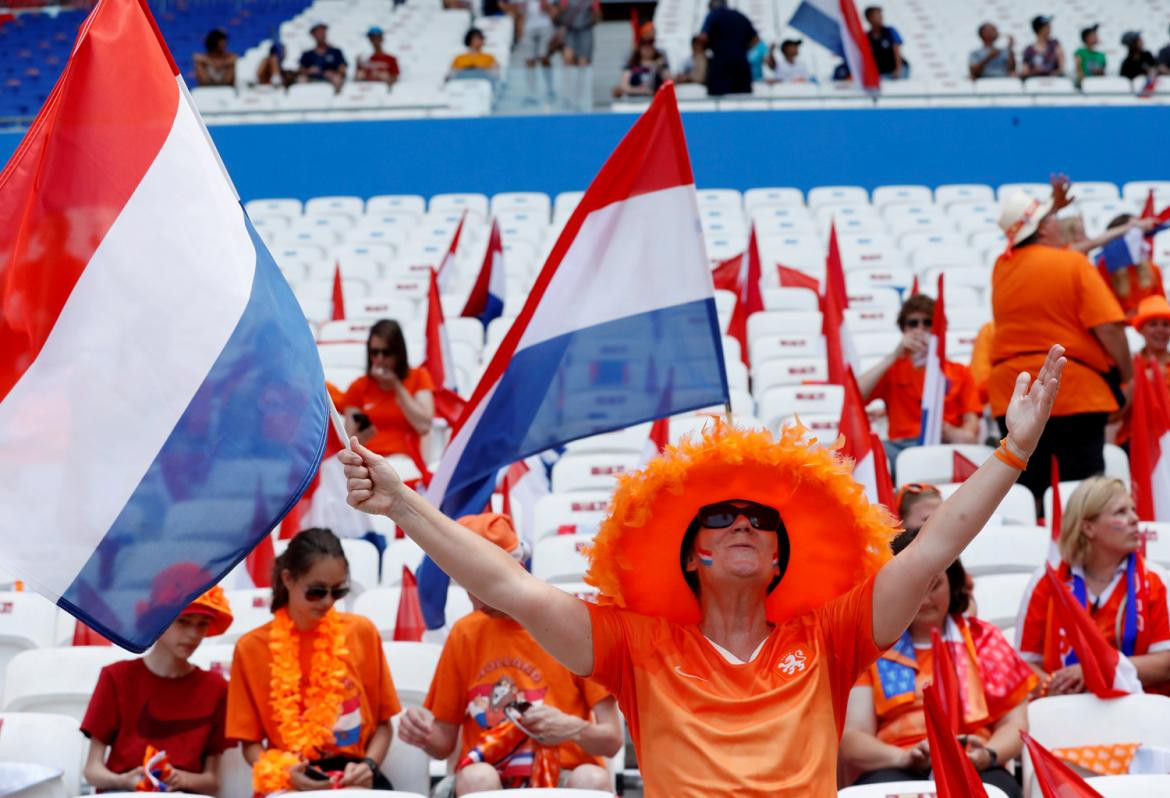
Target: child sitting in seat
point(163, 702)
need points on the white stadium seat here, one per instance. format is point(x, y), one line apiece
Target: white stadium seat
point(935, 464)
point(54, 741)
point(380, 605)
point(560, 558)
point(893, 789)
point(27, 621)
point(589, 471)
point(251, 608)
point(1006, 550)
point(573, 513)
point(998, 596)
point(56, 680)
point(1135, 786)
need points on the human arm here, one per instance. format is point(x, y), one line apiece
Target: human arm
point(600, 737)
point(902, 582)
point(202, 78)
point(101, 777)
point(1005, 740)
point(1152, 668)
point(1116, 344)
point(1011, 56)
point(1059, 59)
point(205, 782)
point(1112, 233)
point(860, 746)
point(418, 727)
point(967, 431)
point(559, 622)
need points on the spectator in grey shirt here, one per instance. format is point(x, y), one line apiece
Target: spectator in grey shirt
point(990, 61)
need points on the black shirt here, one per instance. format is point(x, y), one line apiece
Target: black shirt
point(1140, 64)
point(729, 35)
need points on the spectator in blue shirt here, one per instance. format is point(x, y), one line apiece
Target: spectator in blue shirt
point(324, 62)
point(729, 35)
point(990, 60)
point(886, 44)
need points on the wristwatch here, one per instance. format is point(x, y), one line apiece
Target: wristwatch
point(993, 754)
point(374, 765)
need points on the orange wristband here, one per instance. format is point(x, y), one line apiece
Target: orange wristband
point(1009, 458)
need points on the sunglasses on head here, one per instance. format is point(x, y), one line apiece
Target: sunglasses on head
point(376, 352)
point(318, 592)
point(914, 324)
point(723, 514)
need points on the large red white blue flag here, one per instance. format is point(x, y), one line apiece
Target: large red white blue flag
point(619, 328)
point(161, 398)
point(835, 25)
point(486, 300)
point(934, 382)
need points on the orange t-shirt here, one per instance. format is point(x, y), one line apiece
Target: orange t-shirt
point(981, 359)
point(1040, 637)
point(1042, 296)
point(370, 698)
point(394, 434)
point(901, 389)
point(486, 664)
point(703, 726)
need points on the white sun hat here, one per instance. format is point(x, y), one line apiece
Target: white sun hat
point(1020, 215)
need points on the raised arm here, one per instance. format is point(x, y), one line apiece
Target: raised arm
point(558, 621)
point(902, 582)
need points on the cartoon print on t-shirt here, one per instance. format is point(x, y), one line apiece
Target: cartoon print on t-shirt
point(486, 702)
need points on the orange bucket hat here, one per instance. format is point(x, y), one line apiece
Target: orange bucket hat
point(214, 605)
point(837, 538)
point(496, 528)
point(1150, 308)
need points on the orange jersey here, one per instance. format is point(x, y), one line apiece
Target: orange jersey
point(1042, 296)
point(901, 389)
point(1039, 634)
point(703, 726)
point(486, 664)
point(394, 432)
point(981, 359)
point(370, 699)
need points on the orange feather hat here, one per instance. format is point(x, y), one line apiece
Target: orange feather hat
point(837, 537)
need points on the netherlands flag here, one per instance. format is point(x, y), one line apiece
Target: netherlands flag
point(835, 25)
point(934, 382)
point(161, 399)
point(486, 300)
point(1150, 447)
point(627, 286)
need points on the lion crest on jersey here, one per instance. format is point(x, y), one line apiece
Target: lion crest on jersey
point(792, 663)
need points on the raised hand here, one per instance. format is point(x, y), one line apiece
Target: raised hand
point(1031, 403)
point(374, 486)
point(1060, 196)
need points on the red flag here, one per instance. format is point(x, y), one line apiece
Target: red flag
point(914, 286)
point(881, 467)
point(1106, 673)
point(961, 468)
point(259, 562)
point(448, 404)
point(409, 624)
point(954, 775)
point(725, 276)
point(834, 303)
point(657, 441)
point(749, 298)
point(859, 444)
point(447, 266)
point(84, 636)
point(1054, 778)
point(1055, 512)
point(1149, 454)
point(794, 278)
point(338, 296)
point(945, 680)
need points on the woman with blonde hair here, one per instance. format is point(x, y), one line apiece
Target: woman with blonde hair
point(1101, 563)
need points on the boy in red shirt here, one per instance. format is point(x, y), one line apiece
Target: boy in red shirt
point(162, 700)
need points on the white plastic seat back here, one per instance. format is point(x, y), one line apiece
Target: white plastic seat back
point(1006, 549)
point(1135, 786)
point(560, 558)
point(574, 472)
point(56, 680)
point(45, 739)
point(907, 788)
point(1157, 541)
point(251, 608)
point(412, 665)
point(1067, 721)
point(554, 792)
point(935, 464)
point(27, 620)
point(998, 597)
point(573, 513)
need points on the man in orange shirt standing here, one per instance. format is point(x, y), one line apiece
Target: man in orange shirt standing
point(492, 672)
point(1041, 295)
point(897, 380)
point(745, 583)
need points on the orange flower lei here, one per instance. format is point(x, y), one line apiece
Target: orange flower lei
point(305, 722)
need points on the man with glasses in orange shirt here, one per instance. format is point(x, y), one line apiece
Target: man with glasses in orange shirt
point(745, 583)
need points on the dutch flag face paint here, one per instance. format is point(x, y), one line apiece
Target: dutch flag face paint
point(705, 557)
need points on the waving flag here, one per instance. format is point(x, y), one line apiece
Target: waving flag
point(1150, 451)
point(1107, 673)
point(794, 278)
point(620, 327)
point(954, 775)
point(1055, 778)
point(835, 25)
point(447, 265)
point(859, 444)
point(748, 298)
point(408, 623)
point(657, 440)
point(158, 383)
point(522, 486)
point(486, 301)
point(338, 313)
point(934, 383)
point(884, 483)
point(439, 363)
point(834, 302)
point(1122, 252)
point(1055, 521)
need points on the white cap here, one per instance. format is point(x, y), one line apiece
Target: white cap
point(1020, 215)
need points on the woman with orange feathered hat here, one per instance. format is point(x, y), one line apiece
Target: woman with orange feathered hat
point(745, 584)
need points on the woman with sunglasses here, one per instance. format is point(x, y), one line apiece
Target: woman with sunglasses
point(745, 583)
point(310, 694)
point(393, 405)
point(897, 380)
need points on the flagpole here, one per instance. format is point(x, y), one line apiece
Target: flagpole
point(727, 410)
